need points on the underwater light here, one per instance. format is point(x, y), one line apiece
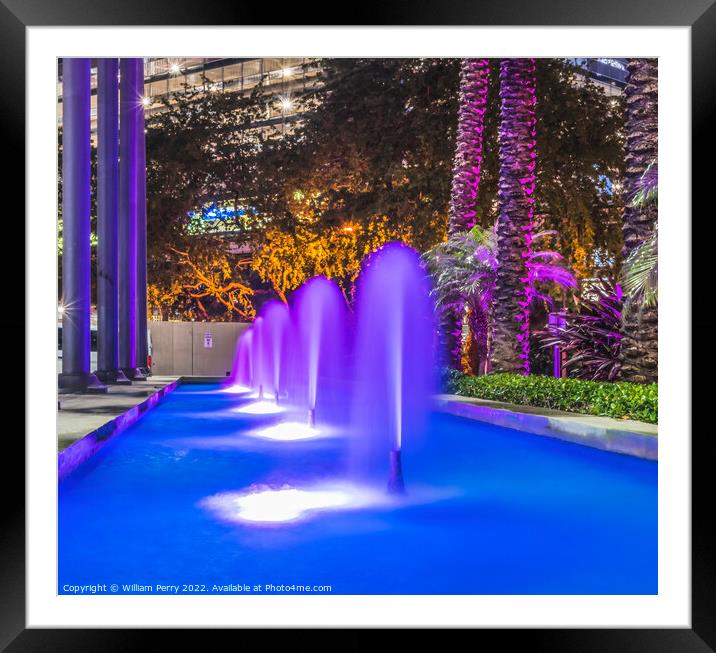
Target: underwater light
point(237, 388)
point(287, 431)
point(260, 407)
point(287, 504)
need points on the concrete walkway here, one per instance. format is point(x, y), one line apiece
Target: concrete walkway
point(619, 435)
point(81, 414)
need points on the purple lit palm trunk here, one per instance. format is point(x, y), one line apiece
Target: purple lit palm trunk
point(474, 78)
point(518, 158)
point(479, 322)
point(640, 328)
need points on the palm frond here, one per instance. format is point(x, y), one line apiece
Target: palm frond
point(641, 272)
point(647, 187)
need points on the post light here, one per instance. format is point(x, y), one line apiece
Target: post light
point(286, 103)
point(557, 321)
point(146, 101)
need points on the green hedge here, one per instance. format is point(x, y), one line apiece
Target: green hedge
point(620, 400)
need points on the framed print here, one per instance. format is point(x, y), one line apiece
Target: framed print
point(358, 326)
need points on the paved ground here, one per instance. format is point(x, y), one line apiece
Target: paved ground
point(80, 414)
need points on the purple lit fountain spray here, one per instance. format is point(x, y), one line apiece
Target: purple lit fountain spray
point(261, 378)
point(318, 358)
point(275, 335)
point(241, 370)
point(395, 368)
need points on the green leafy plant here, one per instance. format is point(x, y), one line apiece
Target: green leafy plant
point(619, 400)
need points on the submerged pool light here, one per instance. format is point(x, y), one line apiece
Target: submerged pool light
point(287, 431)
point(237, 389)
point(260, 407)
point(270, 506)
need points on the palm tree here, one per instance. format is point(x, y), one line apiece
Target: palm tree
point(513, 292)
point(474, 78)
point(640, 346)
point(463, 272)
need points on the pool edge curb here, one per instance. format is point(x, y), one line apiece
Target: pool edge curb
point(69, 459)
point(569, 429)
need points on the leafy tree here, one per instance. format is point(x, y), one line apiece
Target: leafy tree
point(208, 288)
point(287, 259)
point(377, 141)
point(203, 149)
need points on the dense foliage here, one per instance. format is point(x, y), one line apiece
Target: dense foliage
point(591, 337)
point(374, 145)
point(619, 400)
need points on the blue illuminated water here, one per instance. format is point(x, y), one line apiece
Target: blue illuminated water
point(488, 511)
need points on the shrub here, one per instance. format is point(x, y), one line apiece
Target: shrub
point(620, 400)
point(591, 338)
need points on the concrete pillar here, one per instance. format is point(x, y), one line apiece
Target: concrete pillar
point(142, 345)
point(129, 102)
point(76, 288)
point(108, 369)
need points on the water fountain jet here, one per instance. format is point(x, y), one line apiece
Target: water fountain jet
point(241, 378)
point(395, 371)
point(319, 315)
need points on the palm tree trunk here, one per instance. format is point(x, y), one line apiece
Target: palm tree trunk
point(640, 328)
point(478, 349)
point(518, 158)
point(474, 78)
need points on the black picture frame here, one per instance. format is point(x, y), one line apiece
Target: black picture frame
point(700, 15)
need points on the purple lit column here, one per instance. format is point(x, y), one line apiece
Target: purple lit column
point(108, 368)
point(76, 374)
point(142, 345)
point(129, 105)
